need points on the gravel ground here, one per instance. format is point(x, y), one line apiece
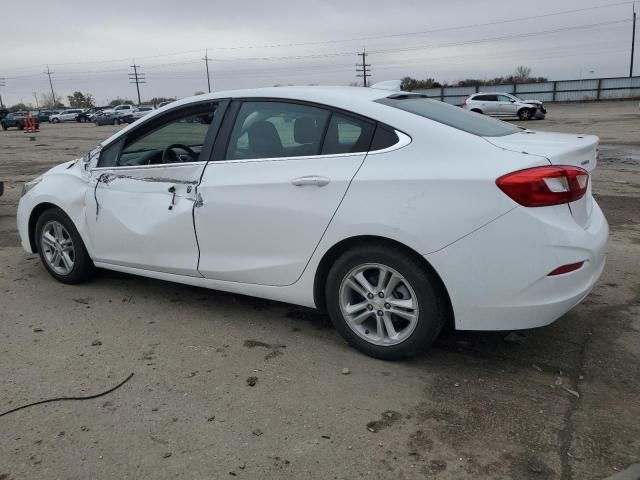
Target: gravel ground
point(231, 386)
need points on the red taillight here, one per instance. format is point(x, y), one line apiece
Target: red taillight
point(466, 99)
point(572, 267)
point(544, 186)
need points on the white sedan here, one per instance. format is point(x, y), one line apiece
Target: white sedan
point(395, 213)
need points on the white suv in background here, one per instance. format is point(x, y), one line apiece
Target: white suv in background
point(499, 104)
point(65, 116)
point(123, 109)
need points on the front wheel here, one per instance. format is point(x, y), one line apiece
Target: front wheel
point(55, 120)
point(524, 114)
point(61, 248)
point(383, 303)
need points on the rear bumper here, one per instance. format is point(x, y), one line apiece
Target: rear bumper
point(498, 277)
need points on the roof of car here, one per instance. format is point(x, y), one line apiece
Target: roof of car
point(355, 99)
point(492, 93)
point(320, 94)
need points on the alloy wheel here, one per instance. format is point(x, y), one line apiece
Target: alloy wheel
point(57, 247)
point(378, 304)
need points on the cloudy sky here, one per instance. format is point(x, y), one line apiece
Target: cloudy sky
point(90, 44)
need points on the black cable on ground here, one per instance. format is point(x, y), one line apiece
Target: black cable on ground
point(59, 399)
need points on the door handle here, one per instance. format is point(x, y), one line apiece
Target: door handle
point(313, 180)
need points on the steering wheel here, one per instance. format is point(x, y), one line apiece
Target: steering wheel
point(169, 156)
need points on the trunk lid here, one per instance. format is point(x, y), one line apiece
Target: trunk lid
point(559, 149)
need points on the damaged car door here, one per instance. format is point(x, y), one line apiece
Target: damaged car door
point(279, 172)
point(142, 192)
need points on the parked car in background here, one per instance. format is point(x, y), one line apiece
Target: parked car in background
point(499, 104)
point(16, 120)
point(141, 111)
point(124, 108)
point(136, 114)
point(69, 115)
point(111, 118)
point(88, 114)
point(45, 115)
point(353, 200)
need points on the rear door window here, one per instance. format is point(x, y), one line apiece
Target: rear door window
point(347, 134)
point(265, 129)
point(384, 137)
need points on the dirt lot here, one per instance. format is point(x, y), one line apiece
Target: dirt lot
point(563, 402)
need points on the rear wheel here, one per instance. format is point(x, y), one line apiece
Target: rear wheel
point(4, 127)
point(382, 303)
point(61, 248)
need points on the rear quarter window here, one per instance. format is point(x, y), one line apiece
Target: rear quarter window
point(446, 114)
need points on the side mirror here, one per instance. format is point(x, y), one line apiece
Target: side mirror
point(512, 100)
point(90, 160)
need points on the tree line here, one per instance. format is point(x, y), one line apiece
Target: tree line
point(77, 100)
point(522, 74)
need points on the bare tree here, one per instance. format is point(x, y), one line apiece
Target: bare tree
point(522, 74)
point(48, 101)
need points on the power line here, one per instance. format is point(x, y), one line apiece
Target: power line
point(361, 68)
point(353, 39)
point(436, 45)
point(425, 32)
point(137, 78)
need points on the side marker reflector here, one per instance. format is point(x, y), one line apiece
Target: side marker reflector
point(572, 267)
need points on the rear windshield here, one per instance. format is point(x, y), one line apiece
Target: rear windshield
point(455, 117)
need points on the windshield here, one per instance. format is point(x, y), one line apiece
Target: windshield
point(455, 117)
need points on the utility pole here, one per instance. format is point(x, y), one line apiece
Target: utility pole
point(2, 84)
point(362, 67)
point(137, 78)
point(53, 95)
point(206, 63)
point(633, 40)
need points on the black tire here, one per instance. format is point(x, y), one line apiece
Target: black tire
point(430, 301)
point(525, 114)
point(83, 268)
point(476, 110)
point(4, 127)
